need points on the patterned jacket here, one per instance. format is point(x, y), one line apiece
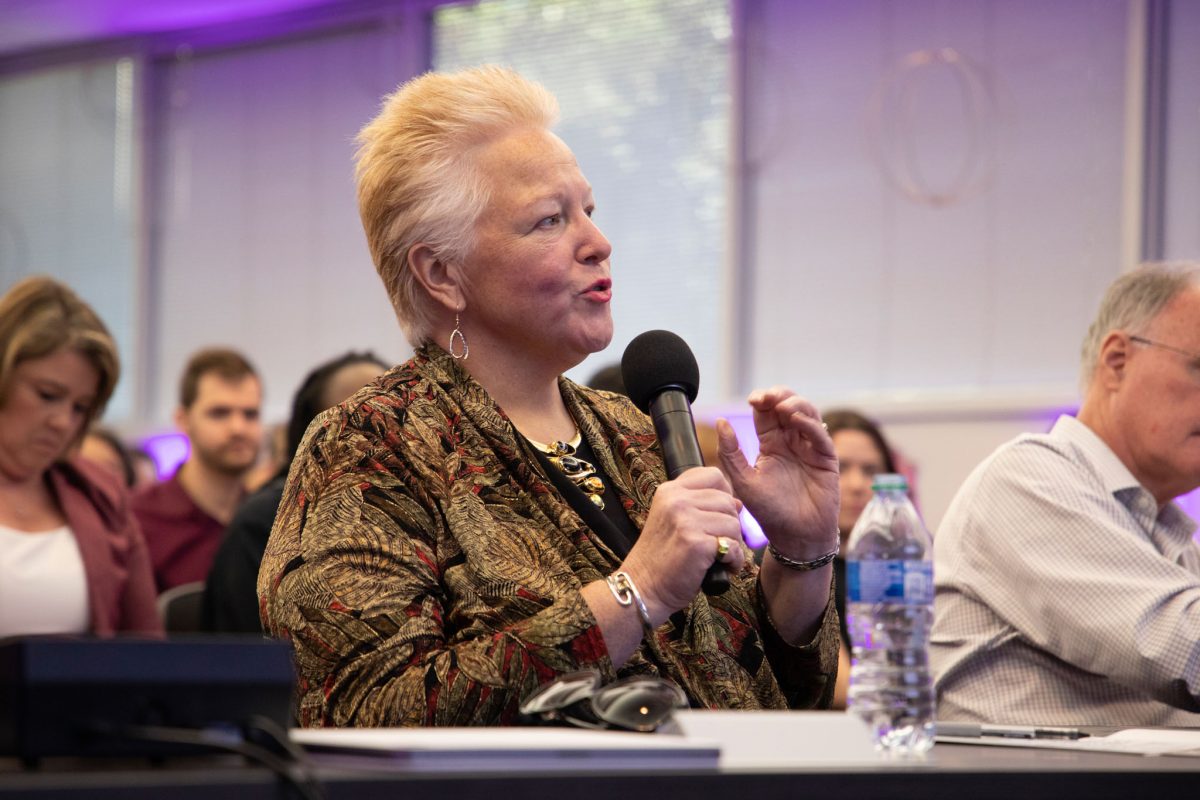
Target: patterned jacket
point(428, 573)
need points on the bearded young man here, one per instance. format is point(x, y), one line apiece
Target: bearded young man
point(183, 519)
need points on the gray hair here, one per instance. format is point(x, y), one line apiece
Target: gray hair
point(417, 178)
point(1132, 302)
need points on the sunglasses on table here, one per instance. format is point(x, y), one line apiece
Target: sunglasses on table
point(636, 703)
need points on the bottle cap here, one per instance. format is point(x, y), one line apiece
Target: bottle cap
point(889, 482)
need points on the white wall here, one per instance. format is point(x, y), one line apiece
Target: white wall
point(1182, 196)
point(945, 441)
point(860, 288)
point(259, 243)
point(941, 275)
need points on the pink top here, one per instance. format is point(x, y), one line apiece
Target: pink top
point(121, 594)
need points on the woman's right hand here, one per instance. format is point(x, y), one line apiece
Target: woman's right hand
point(680, 540)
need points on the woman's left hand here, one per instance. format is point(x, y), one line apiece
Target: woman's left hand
point(792, 488)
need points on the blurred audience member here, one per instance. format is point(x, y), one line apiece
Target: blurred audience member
point(707, 438)
point(608, 379)
point(71, 557)
point(184, 518)
point(104, 448)
point(273, 456)
point(862, 454)
point(145, 471)
point(230, 596)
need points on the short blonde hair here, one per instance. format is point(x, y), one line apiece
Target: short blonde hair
point(40, 316)
point(1132, 302)
point(417, 180)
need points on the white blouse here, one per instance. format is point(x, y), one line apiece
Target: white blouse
point(43, 586)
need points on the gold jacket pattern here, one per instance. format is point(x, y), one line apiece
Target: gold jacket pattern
point(427, 572)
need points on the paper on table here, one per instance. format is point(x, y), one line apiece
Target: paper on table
point(1139, 741)
point(489, 749)
point(1147, 741)
point(782, 739)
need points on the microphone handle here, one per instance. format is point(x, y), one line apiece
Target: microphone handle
point(676, 429)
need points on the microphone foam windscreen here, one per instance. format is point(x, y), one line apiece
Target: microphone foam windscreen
point(657, 360)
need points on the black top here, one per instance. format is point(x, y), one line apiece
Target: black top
point(839, 596)
point(231, 592)
point(612, 503)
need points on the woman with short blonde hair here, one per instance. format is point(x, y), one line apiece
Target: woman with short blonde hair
point(418, 176)
point(474, 525)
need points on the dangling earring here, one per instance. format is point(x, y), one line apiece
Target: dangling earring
point(466, 351)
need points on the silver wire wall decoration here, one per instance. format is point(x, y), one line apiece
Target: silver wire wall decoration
point(901, 141)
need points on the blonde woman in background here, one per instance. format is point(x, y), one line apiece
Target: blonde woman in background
point(72, 559)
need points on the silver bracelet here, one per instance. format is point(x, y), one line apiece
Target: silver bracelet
point(806, 566)
point(622, 588)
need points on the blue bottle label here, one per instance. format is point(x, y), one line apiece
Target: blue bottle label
point(908, 582)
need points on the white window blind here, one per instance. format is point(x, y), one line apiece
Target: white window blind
point(66, 182)
point(260, 244)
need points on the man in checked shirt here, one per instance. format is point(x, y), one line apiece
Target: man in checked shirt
point(1068, 582)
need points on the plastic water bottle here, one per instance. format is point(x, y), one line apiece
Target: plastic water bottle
point(889, 604)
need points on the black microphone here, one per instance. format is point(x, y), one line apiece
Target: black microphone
point(662, 378)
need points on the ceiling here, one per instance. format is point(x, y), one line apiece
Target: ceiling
point(32, 25)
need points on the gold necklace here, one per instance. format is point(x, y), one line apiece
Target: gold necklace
point(582, 473)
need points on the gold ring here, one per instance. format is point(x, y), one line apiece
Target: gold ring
point(723, 545)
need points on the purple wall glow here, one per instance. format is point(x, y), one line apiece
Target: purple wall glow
point(146, 16)
point(1190, 503)
point(55, 23)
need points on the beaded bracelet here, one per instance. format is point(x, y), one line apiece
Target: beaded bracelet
point(621, 585)
point(805, 566)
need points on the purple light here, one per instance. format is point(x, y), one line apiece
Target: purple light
point(1190, 503)
point(56, 23)
point(743, 426)
point(752, 532)
point(167, 451)
point(137, 16)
